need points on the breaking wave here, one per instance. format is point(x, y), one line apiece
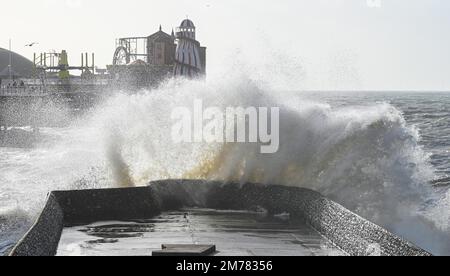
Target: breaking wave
point(13, 221)
point(365, 157)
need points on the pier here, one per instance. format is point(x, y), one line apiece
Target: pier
point(25, 91)
point(35, 105)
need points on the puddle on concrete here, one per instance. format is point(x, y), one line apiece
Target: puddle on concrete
point(234, 234)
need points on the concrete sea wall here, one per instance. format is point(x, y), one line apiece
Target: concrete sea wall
point(43, 237)
point(350, 232)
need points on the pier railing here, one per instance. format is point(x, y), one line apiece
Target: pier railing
point(10, 91)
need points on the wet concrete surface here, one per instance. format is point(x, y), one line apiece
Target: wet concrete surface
point(234, 233)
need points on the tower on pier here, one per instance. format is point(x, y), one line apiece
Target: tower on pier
point(190, 57)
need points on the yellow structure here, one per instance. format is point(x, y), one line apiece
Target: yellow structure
point(63, 64)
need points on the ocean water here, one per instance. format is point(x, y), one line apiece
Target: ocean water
point(384, 155)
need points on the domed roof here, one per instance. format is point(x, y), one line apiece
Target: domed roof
point(138, 62)
point(187, 24)
point(20, 65)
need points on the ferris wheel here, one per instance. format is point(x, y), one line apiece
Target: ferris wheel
point(121, 56)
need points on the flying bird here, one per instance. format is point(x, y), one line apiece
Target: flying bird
point(31, 44)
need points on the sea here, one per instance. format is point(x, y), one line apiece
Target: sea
point(384, 155)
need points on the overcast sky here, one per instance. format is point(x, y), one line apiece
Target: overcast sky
point(321, 44)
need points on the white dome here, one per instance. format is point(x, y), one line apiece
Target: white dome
point(187, 24)
point(20, 65)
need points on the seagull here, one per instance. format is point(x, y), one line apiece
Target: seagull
point(31, 44)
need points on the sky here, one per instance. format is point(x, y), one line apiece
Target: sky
point(310, 44)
